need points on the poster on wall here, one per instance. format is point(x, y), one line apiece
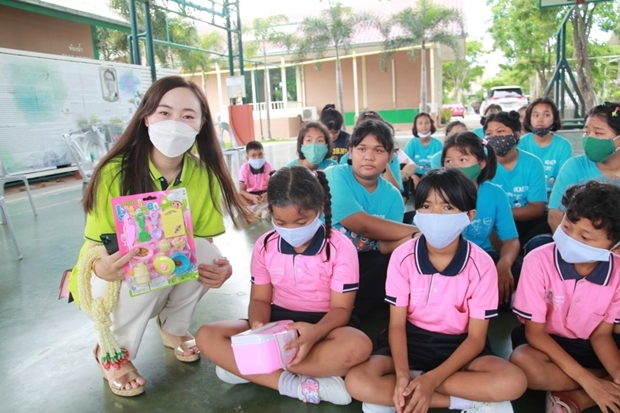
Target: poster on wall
point(45, 96)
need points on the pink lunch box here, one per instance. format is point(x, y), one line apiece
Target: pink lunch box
point(261, 351)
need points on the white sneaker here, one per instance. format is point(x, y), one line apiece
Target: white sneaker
point(490, 407)
point(323, 389)
point(377, 408)
point(227, 377)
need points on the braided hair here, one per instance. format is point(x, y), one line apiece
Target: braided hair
point(304, 189)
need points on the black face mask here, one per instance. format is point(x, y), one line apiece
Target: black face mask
point(482, 119)
point(541, 131)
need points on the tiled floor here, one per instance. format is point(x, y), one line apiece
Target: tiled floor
point(46, 344)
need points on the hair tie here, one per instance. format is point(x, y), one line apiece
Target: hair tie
point(484, 142)
point(615, 112)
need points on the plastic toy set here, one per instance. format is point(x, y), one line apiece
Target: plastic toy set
point(160, 224)
point(261, 351)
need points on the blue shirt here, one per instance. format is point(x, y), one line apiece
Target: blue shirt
point(576, 170)
point(436, 160)
point(350, 197)
point(480, 132)
point(394, 167)
point(493, 213)
point(553, 156)
point(525, 183)
point(324, 164)
point(421, 154)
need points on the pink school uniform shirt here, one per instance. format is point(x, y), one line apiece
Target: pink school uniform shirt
point(551, 291)
point(442, 302)
point(254, 180)
point(304, 282)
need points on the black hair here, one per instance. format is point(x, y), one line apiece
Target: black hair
point(470, 143)
point(318, 126)
point(110, 71)
point(381, 130)
point(367, 114)
point(253, 145)
point(598, 202)
point(331, 118)
point(452, 124)
point(609, 112)
point(414, 129)
point(492, 106)
point(452, 185)
point(304, 189)
point(557, 120)
point(510, 119)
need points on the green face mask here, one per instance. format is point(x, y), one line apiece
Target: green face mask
point(597, 150)
point(314, 152)
point(472, 171)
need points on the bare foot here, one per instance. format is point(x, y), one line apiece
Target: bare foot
point(113, 375)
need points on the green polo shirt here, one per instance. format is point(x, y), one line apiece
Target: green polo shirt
point(206, 220)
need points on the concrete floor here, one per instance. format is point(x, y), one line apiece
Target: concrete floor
point(46, 344)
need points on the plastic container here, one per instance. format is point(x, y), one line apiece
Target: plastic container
point(261, 351)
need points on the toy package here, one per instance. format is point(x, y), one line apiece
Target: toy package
point(160, 224)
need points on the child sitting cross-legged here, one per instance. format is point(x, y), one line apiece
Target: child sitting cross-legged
point(568, 300)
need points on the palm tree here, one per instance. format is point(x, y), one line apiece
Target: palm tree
point(425, 23)
point(333, 28)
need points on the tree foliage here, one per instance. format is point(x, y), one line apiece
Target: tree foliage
point(425, 23)
point(459, 74)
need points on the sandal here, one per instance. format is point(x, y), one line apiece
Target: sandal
point(179, 352)
point(559, 402)
point(118, 385)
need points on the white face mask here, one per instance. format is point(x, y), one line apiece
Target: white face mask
point(172, 138)
point(424, 135)
point(257, 163)
point(575, 252)
point(297, 237)
point(441, 229)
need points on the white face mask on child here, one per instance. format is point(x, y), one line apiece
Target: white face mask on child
point(575, 252)
point(257, 163)
point(297, 237)
point(441, 229)
point(172, 138)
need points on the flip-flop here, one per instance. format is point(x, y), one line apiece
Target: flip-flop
point(560, 402)
point(179, 352)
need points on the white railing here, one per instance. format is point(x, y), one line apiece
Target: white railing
point(276, 105)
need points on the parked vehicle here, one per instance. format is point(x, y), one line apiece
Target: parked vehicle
point(457, 109)
point(508, 97)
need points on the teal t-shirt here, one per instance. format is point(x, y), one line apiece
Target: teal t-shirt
point(525, 183)
point(552, 156)
point(324, 164)
point(350, 197)
point(492, 214)
point(479, 132)
point(577, 170)
point(436, 160)
point(394, 167)
point(421, 154)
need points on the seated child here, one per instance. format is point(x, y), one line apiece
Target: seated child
point(303, 271)
point(254, 176)
point(314, 147)
point(568, 301)
point(442, 290)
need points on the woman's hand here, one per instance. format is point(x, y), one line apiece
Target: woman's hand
point(110, 267)
point(214, 276)
point(307, 337)
point(505, 280)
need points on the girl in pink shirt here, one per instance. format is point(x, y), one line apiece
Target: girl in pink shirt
point(306, 272)
point(443, 290)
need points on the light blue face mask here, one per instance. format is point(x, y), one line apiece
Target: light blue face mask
point(257, 163)
point(314, 152)
point(575, 252)
point(441, 229)
point(297, 237)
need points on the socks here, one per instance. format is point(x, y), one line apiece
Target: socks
point(456, 403)
point(288, 384)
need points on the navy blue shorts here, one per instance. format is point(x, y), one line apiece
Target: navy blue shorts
point(280, 313)
point(427, 350)
point(579, 349)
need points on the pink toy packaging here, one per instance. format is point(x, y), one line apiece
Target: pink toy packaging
point(261, 351)
point(160, 224)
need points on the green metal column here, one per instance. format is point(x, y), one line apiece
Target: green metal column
point(150, 50)
point(135, 45)
point(239, 39)
point(231, 63)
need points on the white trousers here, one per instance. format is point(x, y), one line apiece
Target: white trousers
point(175, 307)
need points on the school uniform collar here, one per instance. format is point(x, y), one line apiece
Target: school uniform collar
point(424, 265)
point(315, 247)
point(600, 275)
point(182, 176)
point(257, 171)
